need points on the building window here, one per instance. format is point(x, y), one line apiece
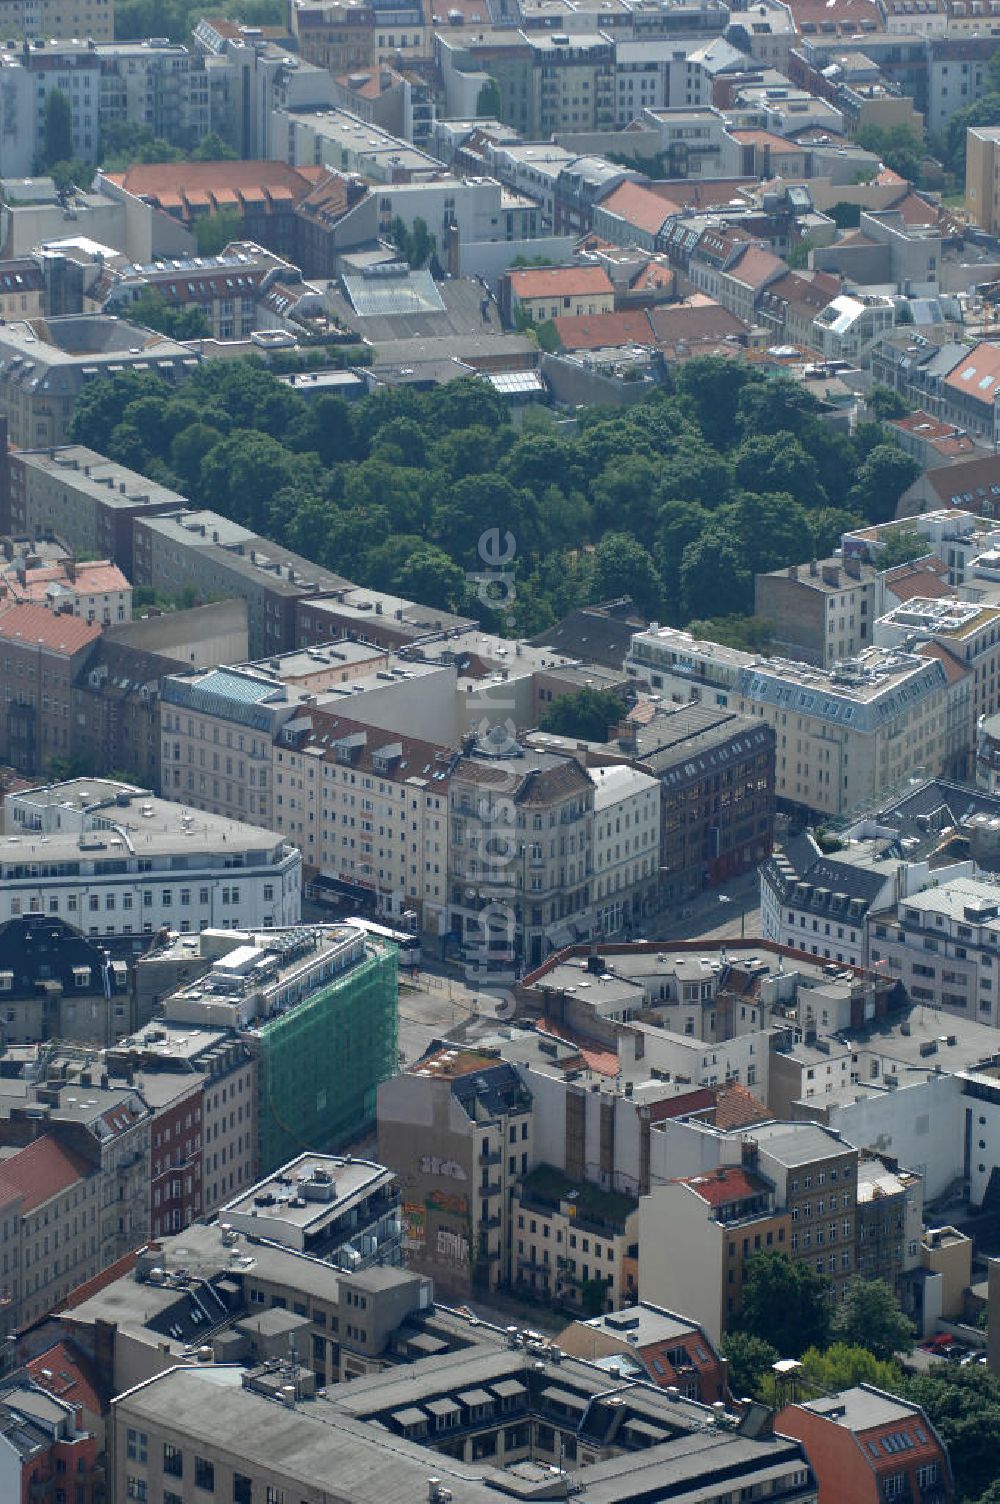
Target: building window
point(173, 1460)
point(135, 1447)
point(242, 1489)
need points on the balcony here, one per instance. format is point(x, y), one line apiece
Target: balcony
point(490, 1157)
point(489, 1188)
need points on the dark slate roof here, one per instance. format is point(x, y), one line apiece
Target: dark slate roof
point(594, 634)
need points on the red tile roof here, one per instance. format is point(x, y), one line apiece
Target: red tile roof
point(37, 626)
point(926, 580)
point(730, 1183)
point(977, 374)
point(596, 331)
point(67, 1374)
point(639, 206)
point(559, 281)
point(699, 322)
point(954, 670)
point(172, 183)
point(604, 1062)
point(769, 139)
point(736, 1107)
point(40, 1171)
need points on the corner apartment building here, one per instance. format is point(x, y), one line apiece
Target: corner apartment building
point(318, 1007)
point(343, 1211)
point(943, 944)
point(487, 1414)
point(844, 735)
point(44, 1439)
point(967, 632)
point(43, 652)
point(520, 862)
point(666, 1349)
point(75, 1178)
point(114, 860)
point(95, 590)
point(215, 1070)
point(47, 363)
point(55, 983)
point(870, 1446)
point(456, 1127)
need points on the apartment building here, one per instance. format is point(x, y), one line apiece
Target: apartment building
point(42, 654)
point(43, 1439)
point(46, 366)
point(822, 612)
point(890, 1220)
point(57, 984)
point(665, 1349)
point(456, 1127)
point(820, 902)
point(114, 860)
point(802, 1173)
point(844, 735)
point(698, 1233)
point(80, 496)
point(344, 1211)
point(716, 774)
point(538, 294)
point(94, 590)
point(870, 1446)
point(216, 1071)
point(205, 553)
point(626, 846)
point(370, 811)
point(574, 1241)
point(318, 1008)
point(520, 858)
point(75, 1179)
point(333, 35)
point(24, 20)
point(481, 1417)
point(968, 633)
point(942, 945)
point(982, 184)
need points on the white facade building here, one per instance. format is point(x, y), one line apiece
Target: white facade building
point(626, 844)
point(112, 859)
point(944, 946)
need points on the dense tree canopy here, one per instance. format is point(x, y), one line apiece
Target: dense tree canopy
point(589, 714)
point(676, 501)
point(869, 1315)
point(785, 1303)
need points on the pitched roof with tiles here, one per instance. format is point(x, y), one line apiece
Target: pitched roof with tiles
point(737, 1107)
point(925, 579)
point(37, 626)
point(638, 206)
point(694, 322)
point(727, 1184)
point(954, 669)
point(180, 185)
point(595, 1056)
point(68, 1374)
point(559, 281)
point(598, 331)
point(40, 1171)
point(977, 374)
point(961, 484)
point(757, 267)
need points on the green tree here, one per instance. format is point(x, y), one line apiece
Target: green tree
point(845, 216)
point(903, 545)
point(58, 137)
point(212, 148)
point(713, 385)
point(840, 1366)
point(715, 576)
point(623, 567)
point(885, 403)
point(869, 1316)
point(152, 311)
point(750, 633)
point(881, 480)
point(213, 232)
point(489, 102)
point(750, 1359)
point(963, 1404)
point(896, 145)
point(798, 255)
point(429, 576)
point(589, 714)
point(778, 462)
point(785, 1303)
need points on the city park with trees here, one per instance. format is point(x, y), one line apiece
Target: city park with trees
point(677, 501)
